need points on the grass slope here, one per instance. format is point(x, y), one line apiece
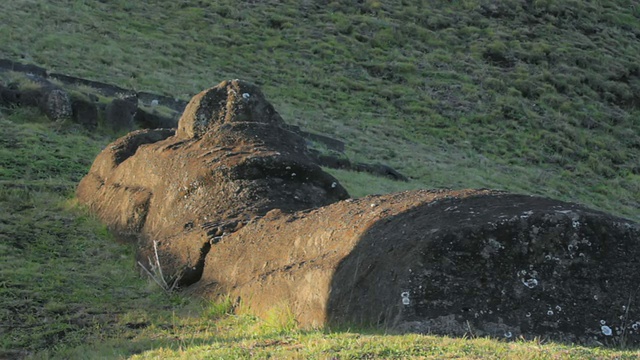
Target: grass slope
point(537, 97)
point(67, 290)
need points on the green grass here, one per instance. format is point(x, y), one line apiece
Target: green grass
point(538, 99)
point(69, 291)
point(64, 279)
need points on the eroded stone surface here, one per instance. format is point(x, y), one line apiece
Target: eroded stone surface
point(231, 101)
point(240, 210)
point(184, 189)
point(444, 262)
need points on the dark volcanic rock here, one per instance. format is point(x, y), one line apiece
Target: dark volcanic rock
point(119, 114)
point(151, 120)
point(10, 96)
point(239, 210)
point(52, 101)
point(56, 104)
point(497, 264)
point(229, 102)
point(380, 170)
point(229, 162)
point(444, 262)
point(85, 113)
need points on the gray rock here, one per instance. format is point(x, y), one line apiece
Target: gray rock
point(119, 114)
point(56, 104)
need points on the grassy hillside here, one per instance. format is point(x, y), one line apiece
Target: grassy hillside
point(539, 97)
point(536, 96)
point(69, 291)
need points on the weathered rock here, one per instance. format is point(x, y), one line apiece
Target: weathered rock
point(240, 210)
point(380, 170)
point(444, 262)
point(341, 162)
point(85, 113)
point(56, 104)
point(199, 182)
point(52, 101)
point(230, 102)
point(152, 120)
point(11, 96)
point(119, 114)
point(330, 160)
point(25, 68)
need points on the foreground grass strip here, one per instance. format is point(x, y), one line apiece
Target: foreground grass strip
point(199, 337)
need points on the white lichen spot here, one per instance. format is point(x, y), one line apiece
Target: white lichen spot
point(293, 174)
point(602, 322)
point(522, 272)
point(405, 298)
point(333, 185)
point(288, 168)
point(635, 326)
point(246, 95)
point(606, 330)
point(558, 308)
point(548, 257)
point(595, 297)
point(530, 283)
point(528, 314)
point(575, 224)
point(550, 312)
point(508, 334)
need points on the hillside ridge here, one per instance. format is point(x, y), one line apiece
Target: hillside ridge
point(536, 97)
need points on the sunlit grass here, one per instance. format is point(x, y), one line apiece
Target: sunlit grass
point(536, 99)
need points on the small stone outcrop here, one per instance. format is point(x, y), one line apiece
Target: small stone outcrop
point(52, 101)
point(129, 109)
point(238, 209)
point(86, 102)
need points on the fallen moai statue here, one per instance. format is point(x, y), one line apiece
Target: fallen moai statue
point(238, 209)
